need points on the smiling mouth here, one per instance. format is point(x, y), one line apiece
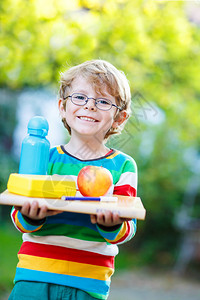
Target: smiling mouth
point(88, 119)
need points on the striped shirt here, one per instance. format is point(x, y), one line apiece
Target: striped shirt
point(67, 249)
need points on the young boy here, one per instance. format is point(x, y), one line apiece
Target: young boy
point(70, 255)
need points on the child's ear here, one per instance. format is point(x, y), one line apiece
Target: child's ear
point(121, 117)
point(61, 107)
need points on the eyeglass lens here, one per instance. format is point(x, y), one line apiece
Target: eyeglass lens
point(101, 103)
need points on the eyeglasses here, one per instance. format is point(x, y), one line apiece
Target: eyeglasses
point(100, 103)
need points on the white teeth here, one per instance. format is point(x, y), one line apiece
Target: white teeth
point(87, 119)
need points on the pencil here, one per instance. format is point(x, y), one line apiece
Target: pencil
point(104, 198)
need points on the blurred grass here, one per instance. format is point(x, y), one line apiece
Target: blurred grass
point(10, 241)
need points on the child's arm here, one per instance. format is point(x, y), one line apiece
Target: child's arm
point(30, 217)
point(114, 229)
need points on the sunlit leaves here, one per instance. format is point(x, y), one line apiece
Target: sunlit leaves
point(153, 42)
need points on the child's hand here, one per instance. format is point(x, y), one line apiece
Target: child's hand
point(107, 219)
point(32, 211)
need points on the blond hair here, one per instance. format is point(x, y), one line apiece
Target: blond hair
point(99, 72)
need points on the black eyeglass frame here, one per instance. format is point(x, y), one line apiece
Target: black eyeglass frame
point(88, 98)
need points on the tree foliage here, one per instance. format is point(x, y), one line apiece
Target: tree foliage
point(153, 42)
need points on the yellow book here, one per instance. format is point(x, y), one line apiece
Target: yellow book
point(42, 186)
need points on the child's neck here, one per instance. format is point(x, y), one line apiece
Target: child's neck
point(86, 149)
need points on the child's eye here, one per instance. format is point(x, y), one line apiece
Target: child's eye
point(79, 97)
point(103, 102)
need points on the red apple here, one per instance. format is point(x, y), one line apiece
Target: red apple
point(94, 181)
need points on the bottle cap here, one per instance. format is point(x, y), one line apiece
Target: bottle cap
point(38, 126)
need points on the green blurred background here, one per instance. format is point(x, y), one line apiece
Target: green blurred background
point(157, 45)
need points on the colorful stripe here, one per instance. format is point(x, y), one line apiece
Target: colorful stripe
point(96, 247)
point(127, 231)
point(128, 178)
point(21, 224)
point(133, 227)
point(125, 190)
point(87, 284)
point(113, 155)
point(62, 253)
point(123, 237)
point(114, 237)
point(123, 232)
point(64, 267)
point(78, 232)
point(60, 151)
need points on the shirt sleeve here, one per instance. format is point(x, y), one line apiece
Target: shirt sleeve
point(24, 224)
point(126, 186)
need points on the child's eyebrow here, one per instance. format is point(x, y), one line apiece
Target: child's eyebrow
point(98, 94)
point(78, 91)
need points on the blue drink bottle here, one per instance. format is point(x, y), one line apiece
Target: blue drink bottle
point(35, 148)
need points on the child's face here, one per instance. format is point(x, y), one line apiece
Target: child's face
point(88, 120)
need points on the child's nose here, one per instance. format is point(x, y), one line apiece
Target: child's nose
point(90, 104)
